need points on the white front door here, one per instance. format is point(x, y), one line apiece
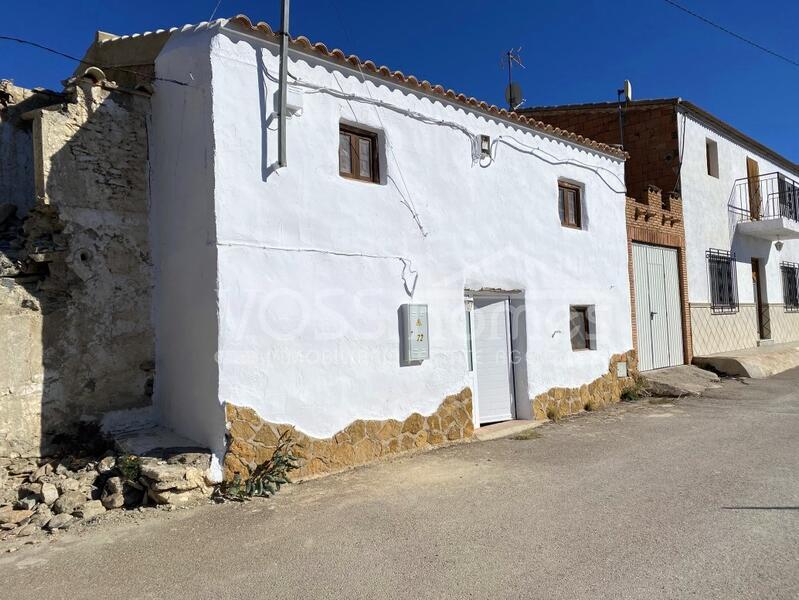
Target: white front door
point(657, 307)
point(492, 352)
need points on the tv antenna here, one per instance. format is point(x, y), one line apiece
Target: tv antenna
point(513, 93)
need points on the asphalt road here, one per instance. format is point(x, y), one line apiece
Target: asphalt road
point(699, 499)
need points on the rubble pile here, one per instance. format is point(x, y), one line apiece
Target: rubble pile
point(47, 495)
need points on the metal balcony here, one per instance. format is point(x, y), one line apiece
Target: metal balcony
point(766, 206)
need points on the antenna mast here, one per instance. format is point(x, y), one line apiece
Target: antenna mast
point(513, 93)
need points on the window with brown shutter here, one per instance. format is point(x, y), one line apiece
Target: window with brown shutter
point(569, 205)
point(357, 154)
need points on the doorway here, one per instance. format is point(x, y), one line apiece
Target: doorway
point(658, 311)
point(761, 307)
point(496, 344)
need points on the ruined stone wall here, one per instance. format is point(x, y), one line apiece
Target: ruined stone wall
point(16, 146)
point(81, 289)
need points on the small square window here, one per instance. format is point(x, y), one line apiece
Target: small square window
point(582, 322)
point(569, 205)
point(712, 154)
point(357, 154)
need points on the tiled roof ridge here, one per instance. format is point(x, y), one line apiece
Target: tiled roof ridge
point(397, 76)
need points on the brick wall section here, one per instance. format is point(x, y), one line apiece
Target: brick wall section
point(655, 222)
point(650, 137)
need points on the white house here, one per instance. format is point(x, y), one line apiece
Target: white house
point(741, 209)
point(424, 264)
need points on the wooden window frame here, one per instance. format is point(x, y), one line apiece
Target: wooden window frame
point(564, 221)
point(355, 134)
point(586, 310)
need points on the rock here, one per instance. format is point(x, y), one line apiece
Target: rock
point(679, 381)
point(69, 502)
point(14, 516)
point(29, 529)
point(22, 468)
point(43, 471)
point(90, 510)
point(157, 471)
point(106, 465)
point(68, 485)
point(42, 515)
point(49, 493)
point(177, 498)
point(26, 503)
point(61, 521)
point(8, 526)
point(118, 493)
point(29, 489)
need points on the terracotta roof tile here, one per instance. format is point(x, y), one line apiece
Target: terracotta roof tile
point(410, 81)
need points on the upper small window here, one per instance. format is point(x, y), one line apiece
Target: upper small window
point(581, 323)
point(712, 152)
point(357, 154)
point(569, 205)
point(790, 286)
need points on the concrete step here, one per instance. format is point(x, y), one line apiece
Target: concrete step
point(756, 363)
point(504, 429)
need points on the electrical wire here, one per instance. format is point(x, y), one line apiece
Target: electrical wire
point(216, 8)
point(407, 265)
point(473, 137)
point(732, 33)
point(86, 62)
point(409, 201)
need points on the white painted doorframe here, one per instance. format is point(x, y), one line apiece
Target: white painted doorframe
point(506, 299)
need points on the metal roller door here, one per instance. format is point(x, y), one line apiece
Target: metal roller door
point(657, 307)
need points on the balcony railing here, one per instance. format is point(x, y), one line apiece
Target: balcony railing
point(770, 196)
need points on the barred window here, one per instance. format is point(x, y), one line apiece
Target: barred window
point(722, 281)
point(790, 286)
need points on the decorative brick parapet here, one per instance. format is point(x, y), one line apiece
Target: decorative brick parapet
point(560, 402)
point(252, 440)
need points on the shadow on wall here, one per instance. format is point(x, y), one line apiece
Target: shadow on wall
point(86, 283)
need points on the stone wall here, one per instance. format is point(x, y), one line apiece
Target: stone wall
point(252, 440)
point(16, 144)
point(81, 281)
point(561, 402)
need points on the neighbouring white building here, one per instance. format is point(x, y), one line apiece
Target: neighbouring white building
point(424, 264)
point(741, 208)
point(713, 228)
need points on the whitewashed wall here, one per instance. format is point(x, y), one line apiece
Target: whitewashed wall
point(709, 224)
point(182, 226)
point(310, 337)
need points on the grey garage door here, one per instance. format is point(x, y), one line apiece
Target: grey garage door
point(657, 307)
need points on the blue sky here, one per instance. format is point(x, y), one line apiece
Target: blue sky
point(577, 51)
